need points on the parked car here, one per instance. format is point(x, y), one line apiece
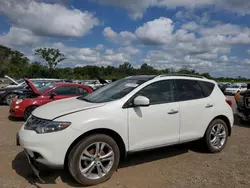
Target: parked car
point(22, 90)
point(55, 91)
point(8, 93)
point(22, 83)
point(90, 134)
point(235, 88)
point(243, 105)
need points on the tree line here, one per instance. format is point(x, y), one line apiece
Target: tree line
point(15, 64)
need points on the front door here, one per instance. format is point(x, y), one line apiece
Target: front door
point(158, 124)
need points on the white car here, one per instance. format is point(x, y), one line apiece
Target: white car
point(90, 135)
point(235, 88)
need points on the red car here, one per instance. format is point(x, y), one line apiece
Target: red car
point(55, 91)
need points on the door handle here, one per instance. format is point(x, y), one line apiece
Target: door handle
point(209, 105)
point(173, 112)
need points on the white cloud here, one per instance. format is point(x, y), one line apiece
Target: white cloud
point(92, 56)
point(129, 50)
point(124, 37)
point(18, 37)
point(223, 58)
point(247, 61)
point(136, 8)
point(192, 26)
point(46, 19)
point(158, 31)
point(99, 47)
point(248, 51)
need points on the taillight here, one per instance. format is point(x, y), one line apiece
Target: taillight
point(229, 102)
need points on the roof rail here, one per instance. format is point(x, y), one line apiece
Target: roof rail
point(176, 74)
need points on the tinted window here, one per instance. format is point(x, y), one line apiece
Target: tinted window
point(159, 92)
point(189, 90)
point(207, 87)
point(66, 90)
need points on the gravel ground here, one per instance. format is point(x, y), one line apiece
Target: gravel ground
point(186, 165)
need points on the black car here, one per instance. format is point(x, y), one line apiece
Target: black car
point(8, 93)
point(243, 105)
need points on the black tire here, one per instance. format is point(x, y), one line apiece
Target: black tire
point(28, 112)
point(207, 136)
point(7, 99)
point(75, 154)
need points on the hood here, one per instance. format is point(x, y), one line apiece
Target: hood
point(12, 88)
point(63, 107)
point(32, 87)
point(11, 79)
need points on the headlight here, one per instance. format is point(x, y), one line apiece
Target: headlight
point(1, 92)
point(18, 101)
point(41, 126)
point(53, 126)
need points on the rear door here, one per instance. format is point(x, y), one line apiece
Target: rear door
point(196, 108)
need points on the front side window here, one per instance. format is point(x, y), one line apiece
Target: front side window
point(66, 90)
point(189, 90)
point(159, 92)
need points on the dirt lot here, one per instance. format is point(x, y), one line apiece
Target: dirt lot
point(181, 166)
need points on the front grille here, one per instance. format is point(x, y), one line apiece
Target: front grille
point(247, 102)
point(33, 122)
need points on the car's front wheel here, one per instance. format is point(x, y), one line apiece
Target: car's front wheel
point(94, 159)
point(8, 99)
point(216, 136)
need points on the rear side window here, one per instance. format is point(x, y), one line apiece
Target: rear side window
point(207, 87)
point(189, 90)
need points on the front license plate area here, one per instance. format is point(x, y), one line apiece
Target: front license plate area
point(31, 163)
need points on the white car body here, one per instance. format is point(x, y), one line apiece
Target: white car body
point(235, 88)
point(129, 123)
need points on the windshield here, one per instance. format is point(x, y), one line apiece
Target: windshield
point(113, 91)
point(46, 87)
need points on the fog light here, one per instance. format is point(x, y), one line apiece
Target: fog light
point(16, 107)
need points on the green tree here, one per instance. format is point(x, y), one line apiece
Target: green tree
point(51, 56)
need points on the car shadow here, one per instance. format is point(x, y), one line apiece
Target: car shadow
point(21, 166)
point(239, 123)
point(11, 118)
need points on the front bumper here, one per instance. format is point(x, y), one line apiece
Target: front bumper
point(48, 149)
point(16, 110)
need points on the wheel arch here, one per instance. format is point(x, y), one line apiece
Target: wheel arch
point(226, 120)
point(118, 139)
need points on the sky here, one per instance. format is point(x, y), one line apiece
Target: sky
point(206, 35)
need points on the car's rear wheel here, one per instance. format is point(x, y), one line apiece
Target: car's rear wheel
point(8, 99)
point(28, 112)
point(216, 136)
point(94, 159)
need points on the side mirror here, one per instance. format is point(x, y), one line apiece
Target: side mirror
point(53, 94)
point(141, 101)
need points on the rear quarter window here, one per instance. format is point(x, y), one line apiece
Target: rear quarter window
point(207, 87)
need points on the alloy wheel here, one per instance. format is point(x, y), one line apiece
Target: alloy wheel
point(96, 160)
point(218, 136)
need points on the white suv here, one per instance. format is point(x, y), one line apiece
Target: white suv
point(89, 135)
